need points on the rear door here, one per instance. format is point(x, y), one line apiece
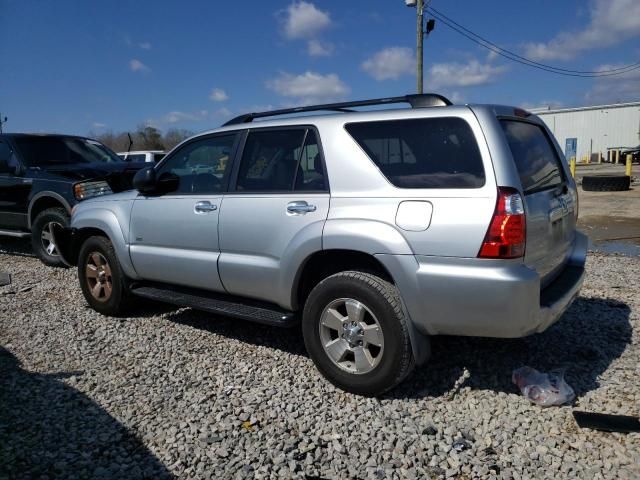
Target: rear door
point(274, 213)
point(549, 196)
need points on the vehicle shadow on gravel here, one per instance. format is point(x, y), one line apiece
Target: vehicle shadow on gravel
point(288, 340)
point(589, 336)
point(50, 430)
point(16, 246)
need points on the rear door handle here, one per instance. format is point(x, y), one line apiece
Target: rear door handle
point(205, 207)
point(300, 207)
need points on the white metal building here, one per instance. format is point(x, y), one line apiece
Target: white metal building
point(597, 129)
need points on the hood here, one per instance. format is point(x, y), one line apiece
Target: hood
point(89, 171)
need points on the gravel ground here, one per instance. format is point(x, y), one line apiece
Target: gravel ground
point(179, 393)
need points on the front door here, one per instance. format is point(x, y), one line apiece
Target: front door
point(274, 213)
point(14, 191)
point(174, 237)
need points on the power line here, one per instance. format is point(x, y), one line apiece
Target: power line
point(523, 60)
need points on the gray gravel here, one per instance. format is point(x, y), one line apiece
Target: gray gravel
point(181, 393)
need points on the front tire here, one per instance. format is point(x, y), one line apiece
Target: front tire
point(102, 281)
point(356, 333)
point(42, 241)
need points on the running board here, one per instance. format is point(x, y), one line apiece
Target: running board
point(13, 233)
point(251, 310)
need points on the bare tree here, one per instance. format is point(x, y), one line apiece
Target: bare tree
point(145, 137)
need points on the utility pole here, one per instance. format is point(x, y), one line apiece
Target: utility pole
point(419, 44)
point(420, 33)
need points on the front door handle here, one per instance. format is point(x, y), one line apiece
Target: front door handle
point(300, 207)
point(205, 207)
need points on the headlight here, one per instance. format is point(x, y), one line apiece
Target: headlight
point(85, 190)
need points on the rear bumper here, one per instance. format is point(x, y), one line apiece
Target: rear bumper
point(487, 298)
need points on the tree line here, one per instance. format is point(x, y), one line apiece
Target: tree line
point(144, 137)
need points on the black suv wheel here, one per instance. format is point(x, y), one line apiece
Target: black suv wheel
point(42, 240)
point(357, 334)
point(102, 281)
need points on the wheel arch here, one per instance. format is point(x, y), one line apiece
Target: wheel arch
point(99, 221)
point(44, 200)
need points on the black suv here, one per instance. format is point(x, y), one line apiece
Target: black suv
point(43, 176)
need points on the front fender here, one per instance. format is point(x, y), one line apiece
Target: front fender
point(87, 220)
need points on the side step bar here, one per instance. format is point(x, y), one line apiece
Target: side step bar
point(251, 310)
point(14, 233)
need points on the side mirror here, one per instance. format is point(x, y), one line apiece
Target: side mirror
point(145, 181)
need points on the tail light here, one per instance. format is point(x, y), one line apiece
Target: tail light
point(506, 236)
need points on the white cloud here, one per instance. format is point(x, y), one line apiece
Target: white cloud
point(304, 20)
point(309, 87)
point(181, 117)
point(316, 48)
point(98, 125)
point(137, 66)
point(390, 63)
point(218, 95)
point(614, 88)
point(492, 55)
point(612, 22)
point(222, 112)
point(145, 45)
point(456, 74)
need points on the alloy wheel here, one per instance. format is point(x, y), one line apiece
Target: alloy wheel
point(351, 336)
point(98, 276)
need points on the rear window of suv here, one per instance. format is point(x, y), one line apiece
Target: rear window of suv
point(536, 160)
point(422, 153)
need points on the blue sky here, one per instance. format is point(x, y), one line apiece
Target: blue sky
point(82, 66)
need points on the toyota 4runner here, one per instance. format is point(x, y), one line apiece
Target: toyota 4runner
point(374, 229)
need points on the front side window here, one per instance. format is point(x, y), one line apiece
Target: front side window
point(536, 160)
point(422, 153)
point(200, 166)
point(281, 161)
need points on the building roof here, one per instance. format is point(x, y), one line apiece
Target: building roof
point(548, 110)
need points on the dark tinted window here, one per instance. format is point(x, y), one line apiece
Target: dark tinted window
point(423, 153)
point(200, 166)
point(5, 152)
point(536, 160)
point(51, 150)
point(136, 157)
point(310, 175)
point(270, 160)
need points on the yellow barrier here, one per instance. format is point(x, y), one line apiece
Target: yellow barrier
point(628, 169)
point(572, 166)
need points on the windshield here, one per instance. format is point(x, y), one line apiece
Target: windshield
point(49, 151)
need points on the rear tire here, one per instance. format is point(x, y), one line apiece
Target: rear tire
point(102, 281)
point(606, 183)
point(42, 240)
point(372, 354)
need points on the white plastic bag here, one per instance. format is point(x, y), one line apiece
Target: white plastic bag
point(545, 389)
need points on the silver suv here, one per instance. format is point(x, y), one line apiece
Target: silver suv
point(375, 229)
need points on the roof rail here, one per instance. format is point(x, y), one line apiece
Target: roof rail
point(416, 101)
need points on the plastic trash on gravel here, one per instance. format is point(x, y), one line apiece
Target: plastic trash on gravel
point(544, 389)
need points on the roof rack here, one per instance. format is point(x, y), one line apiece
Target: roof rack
point(416, 101)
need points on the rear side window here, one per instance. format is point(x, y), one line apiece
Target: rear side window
point(281, 161)
point(536, 160)
point(422, 153)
